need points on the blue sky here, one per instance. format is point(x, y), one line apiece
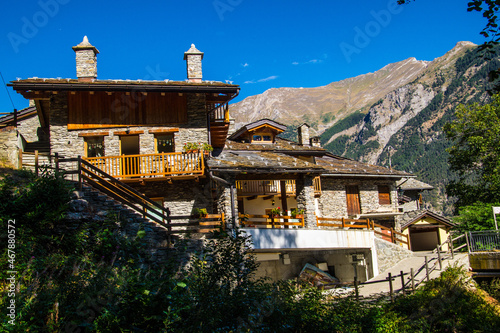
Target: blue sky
point(256, 44)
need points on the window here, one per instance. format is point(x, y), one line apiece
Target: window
point(384, 195)
point(94, 146)
point(266, 138)
point(165, 143)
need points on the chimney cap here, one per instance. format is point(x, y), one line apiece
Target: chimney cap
point(193, 51)
point(85, 45)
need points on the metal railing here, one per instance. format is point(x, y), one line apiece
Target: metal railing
point(482, 241)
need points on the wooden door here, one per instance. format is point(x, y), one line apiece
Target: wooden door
point(129, 145)
point(353, 203)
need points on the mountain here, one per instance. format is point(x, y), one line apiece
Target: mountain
point(393, 117)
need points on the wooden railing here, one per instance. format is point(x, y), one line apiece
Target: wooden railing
point(218, 111)
point(388, 234)
point(150, 165)
point(391, 235)
point(269, 221)
point(264, 187)
point(343, 223)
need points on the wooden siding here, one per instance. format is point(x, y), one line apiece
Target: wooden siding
point(102, 109)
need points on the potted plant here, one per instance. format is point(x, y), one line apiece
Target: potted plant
point(201, 212)
point(206, 148)
point(276, 211)
point(297, 213)
point(191, 147)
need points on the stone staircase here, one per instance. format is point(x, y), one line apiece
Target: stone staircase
point(91, 204)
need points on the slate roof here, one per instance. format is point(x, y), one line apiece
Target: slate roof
point(260, 162)
point(416, 216)
point(340, 166)
point(281, 145)
point(255, 124)
point(60, 84)
point(409, 184)
point(21, 114)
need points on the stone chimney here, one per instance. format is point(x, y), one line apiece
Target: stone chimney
point(193, 59)
point(86, 61)
point(316, 141)
point(303, 133)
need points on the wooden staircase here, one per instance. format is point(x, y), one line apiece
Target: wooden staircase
point(218, 133)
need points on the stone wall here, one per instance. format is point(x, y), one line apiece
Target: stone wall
point(9, 151)
point(389, 254)
point(305, 200)
point(181, 197)
point(333, 200)
point(70, 144)
point(29, 128)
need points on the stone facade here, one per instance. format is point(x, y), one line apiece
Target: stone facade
point(332, 202)
point(181, 197)
point(305, 200)
point(86, 60)
point(389, 254)
point(303, 135)
point(9, 150)
point(223, 201)
point(30, 129)
point(70, 144)
point(193, 59)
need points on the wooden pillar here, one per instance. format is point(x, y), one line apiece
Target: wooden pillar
point(284, 203)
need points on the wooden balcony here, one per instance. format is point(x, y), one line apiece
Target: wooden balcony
point(136, 167)
point(264, 187)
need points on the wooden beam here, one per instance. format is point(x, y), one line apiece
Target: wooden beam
point(253, 197)
point(41, 113)
point(269, 197)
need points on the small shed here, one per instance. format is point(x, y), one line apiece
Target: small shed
point(427, 230)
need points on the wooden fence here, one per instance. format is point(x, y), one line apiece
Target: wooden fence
point(270, 221)
point(386, 233)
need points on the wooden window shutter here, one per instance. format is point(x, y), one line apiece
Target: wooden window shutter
point(384, 195)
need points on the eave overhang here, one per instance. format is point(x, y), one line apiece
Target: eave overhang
point(49, 86)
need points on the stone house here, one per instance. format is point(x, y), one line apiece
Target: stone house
point(270, 174)
point(140, 132)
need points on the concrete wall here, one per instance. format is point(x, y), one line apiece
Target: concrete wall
point(266, 239)
point(337, 261)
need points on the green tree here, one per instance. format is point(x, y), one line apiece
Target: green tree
point(476, 217)
point(475, 153)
